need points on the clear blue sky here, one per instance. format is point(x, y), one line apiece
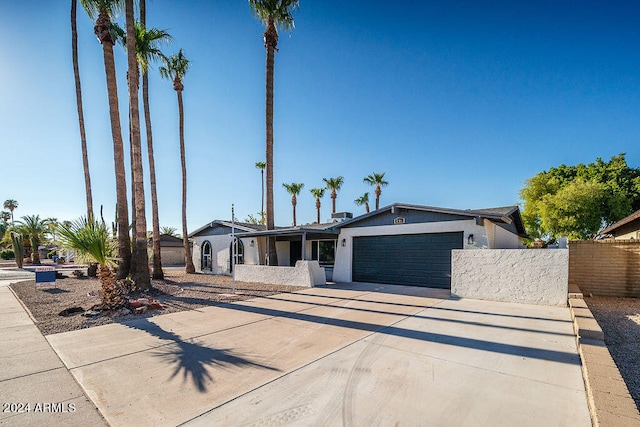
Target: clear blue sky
point(458, 102)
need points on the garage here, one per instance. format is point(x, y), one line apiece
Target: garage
point(405, 259)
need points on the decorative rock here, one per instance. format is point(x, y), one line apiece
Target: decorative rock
point(141, 310)
point(155, 306)
point(71, 311)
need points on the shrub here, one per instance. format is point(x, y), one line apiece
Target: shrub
point(7, 254)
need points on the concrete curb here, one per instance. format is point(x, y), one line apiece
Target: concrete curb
point(610, 403)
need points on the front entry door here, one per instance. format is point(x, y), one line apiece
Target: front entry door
point(295, 253)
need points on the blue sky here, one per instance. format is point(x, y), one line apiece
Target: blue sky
point(458, 102)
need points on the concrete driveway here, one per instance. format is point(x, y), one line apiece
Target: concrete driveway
point(351, 354)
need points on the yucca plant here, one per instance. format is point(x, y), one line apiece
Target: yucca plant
point(92, 240)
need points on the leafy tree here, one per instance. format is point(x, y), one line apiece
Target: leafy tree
point(251, 219)
point(102, 11)
point(318, 193)
point(364, 200)
point(273, 14)
point(175, 67)
point(11, 205)
point(334, 185)
point(294, 189)
point(36, 230)
point(376, 179)
point(577, 201)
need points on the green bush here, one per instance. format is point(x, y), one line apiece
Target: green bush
point(7, 254)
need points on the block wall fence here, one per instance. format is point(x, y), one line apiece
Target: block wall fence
point(605, 267)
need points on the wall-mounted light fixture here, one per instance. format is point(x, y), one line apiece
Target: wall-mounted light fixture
point(344, 242)
point(252, 243)
point(470, 239)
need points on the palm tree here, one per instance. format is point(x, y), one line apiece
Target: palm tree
point(104, 10)
point(83, 136)
point(273, 14)
point(294, 190)
point(261, 166)
point(376, 179)
point(11, 205)
point(334, 185)
point(175, 67)
point(35, 229)
point(151, 54)
point(148, 42)
point(364, 200)
point(52, 225)
point(318, 193)
point(169, 231)
point(91, 240)
point(5, 217)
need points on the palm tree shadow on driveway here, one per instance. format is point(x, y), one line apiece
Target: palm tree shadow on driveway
point(192, 360)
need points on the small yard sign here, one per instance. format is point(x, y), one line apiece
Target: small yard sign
point(45, 276)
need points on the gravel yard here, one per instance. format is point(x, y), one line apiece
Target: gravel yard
point(619, 319)
point(178, 292)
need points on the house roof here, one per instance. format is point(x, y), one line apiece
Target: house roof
point(624, 221)
point(314, 229)
point(505, 214)
point(241, 226)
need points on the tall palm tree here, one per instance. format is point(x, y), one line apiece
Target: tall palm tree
point(294, 190)
point(104, 10)
point(364, 200)
point(140, 275)
point(376, 179)
point(169, 231)
point(35, 229)
point(273, 14)
point(148, 42)
point(175, 67)
point(11, 205)
point(91, 239)
point(318, 193)
point(334, 185)
point(261, 166)
point(83, 136)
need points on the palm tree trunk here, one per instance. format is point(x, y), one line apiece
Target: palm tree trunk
point(35, 255)
point(271, 41)
point(318, 208)
point(378, 193)
point(366, 205)
point(189, 267)
point(141, 275)
point(157, 260)
point(294, 202)
point(124, 248)
point(262, 206)
point(333, 201)
point(83, 137)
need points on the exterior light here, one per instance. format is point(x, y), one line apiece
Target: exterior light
point(344, 242)
point(470, 239)
point(252, 243)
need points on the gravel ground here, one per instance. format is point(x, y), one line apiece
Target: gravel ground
point(178, 292)
point(619, 319)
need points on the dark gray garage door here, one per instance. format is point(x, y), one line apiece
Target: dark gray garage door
point(408, 259)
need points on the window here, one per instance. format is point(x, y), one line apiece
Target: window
point(239, 258)
point(205, 264)
point(323, 251)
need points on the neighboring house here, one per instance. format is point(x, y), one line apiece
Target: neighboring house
point(411, 245)
point(626, 229)
point(171, 250)
point(211, 250)
point(398, 244)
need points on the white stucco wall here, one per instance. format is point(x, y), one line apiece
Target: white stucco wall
point(282, 251)
point(220, 256)
point(534, 276)
point(305, 273)
point(344, 254)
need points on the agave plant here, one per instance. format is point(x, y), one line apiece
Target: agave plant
point(92, 240)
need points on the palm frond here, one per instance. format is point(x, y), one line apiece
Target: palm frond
point(91, 239)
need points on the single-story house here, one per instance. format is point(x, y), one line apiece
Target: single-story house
point(627, 228)
point(171, 249)
point(398, 244)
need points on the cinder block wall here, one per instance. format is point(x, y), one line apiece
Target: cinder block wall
point(525, 276)
point(606, 267)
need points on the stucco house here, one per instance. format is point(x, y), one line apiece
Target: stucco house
point(171, 249)
point(627, 228)
point(397, 244)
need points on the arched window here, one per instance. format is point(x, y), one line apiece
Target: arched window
point(239, 253)
point(206, 262)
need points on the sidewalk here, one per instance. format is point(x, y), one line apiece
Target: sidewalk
point(35, 386)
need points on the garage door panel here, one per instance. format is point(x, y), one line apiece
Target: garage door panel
point(414, 259)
